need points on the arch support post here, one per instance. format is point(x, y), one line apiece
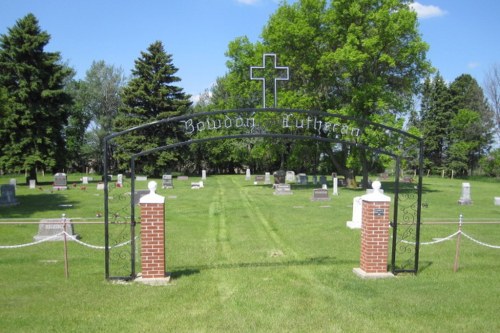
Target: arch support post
point(153, 238)
point(374, 235)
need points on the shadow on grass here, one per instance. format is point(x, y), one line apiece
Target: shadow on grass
point(315, 261)
point(42, 202)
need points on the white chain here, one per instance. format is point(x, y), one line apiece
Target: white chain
point(480, 243)
point(70, 236)
point(434, 242)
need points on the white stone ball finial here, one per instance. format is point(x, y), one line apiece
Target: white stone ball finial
point(376, 185)
point(152, 187)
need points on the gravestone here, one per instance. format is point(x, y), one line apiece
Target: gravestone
point(100, 186)
point(282, 189)
point(357, 213)
point(60, 181)
point(290, 177)
point(141, 178)
point(13, 181)
point(315, 180)
point(85, 180)
point(167, 181)
point(322, 180)
point(32, 184)
point(119, 180)
point(465, 198)
point(335, 184)
point(248, 175)
point(8, 195)
point(203, 174)
point(302, 179)
point(267, 178)
point(197, 185)
point(259, 179)
point(496, 201)
point(50, 227)
point(279, 177)
point(320, 194)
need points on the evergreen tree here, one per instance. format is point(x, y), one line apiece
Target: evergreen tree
point(436, 116)
point(33, 128)
point(150, 95)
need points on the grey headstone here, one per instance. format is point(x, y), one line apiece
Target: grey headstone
point(51, 227)
point(282, 189)
point(302, 179)
point(167, 181)
point(8, 195)
point(267, 178)
point(279, 177)
point(60, 181)
point(290, 176)
point(322, 180)
point(320, 195)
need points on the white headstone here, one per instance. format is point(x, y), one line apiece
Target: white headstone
point(290, 176)
point(32, 184)
point(496, 201)
point(248, 175)
point(203, 174)
point(465, 198)
point(324, 187)
point(335, 184)
point(357, 211)
point(85, 180)
point(267, 178)
point(60, 181)
point(119, 180)
point(12, 181)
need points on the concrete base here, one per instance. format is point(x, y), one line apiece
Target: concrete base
point(364, 275)
point(353, 225)
point(154, 281)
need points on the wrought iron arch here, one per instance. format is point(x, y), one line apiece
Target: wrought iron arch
point(279, 123)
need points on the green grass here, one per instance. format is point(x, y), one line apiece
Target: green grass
point(244, 260)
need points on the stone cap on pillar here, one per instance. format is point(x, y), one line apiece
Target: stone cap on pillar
point(152, 197)
point(376, 195)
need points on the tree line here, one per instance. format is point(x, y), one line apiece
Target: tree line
point(364, 59)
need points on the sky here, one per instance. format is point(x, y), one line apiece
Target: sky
point(463, 35)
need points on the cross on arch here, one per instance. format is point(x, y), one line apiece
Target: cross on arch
point(279, 74)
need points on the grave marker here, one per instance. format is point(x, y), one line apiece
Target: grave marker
point(279, 177)
point(248, 175)
point(119, 180)
point(13, 181)
point(167, 181)
point(32, 184)
point(60, 181)
point(357, 213)
point(335, 184)
point(302, 179)
point(203, 174)
point(320, 194)
point(85, 180)
point(8, 195)
point(290, 177)
point(267, 178)
point(465, 198)
point(282, 189)
point(50, 227)
point(322, 180)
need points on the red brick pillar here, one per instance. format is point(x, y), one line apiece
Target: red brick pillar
point(153, 234)
point(374, 234)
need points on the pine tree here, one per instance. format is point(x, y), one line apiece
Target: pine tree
point(436, 115)
point(150, 96)
point(32, 130)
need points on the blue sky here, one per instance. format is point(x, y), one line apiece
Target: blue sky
point(464, 35)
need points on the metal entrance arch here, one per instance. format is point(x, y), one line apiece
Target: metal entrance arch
point(119, 209)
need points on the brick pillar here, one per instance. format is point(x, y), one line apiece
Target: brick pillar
point(153, 234)
point(374, 234)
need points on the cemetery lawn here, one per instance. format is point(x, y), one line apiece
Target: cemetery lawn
point(245, 260)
